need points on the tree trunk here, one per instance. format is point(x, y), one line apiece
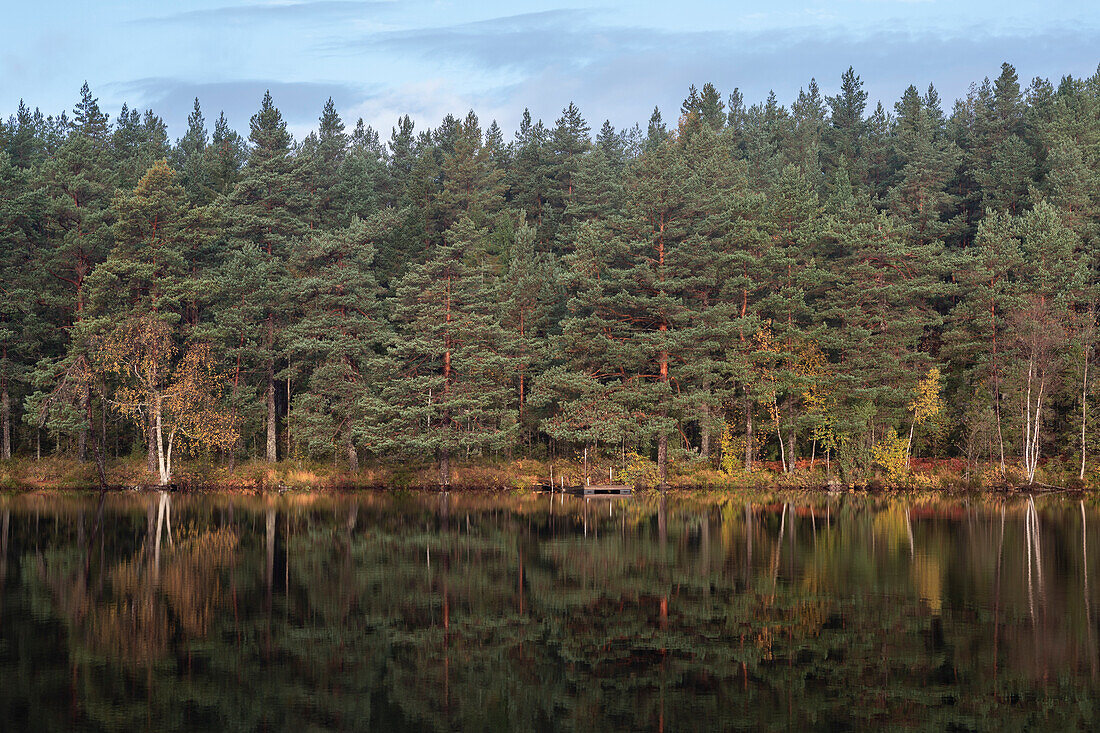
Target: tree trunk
point(444, 423)
point(162, 468)
point(997, 386)
point(909, 445)
point(444, 468)
point(662, 441)
point(1033, 418)
point(748, 431)
point(791, 446)
point(98, 450)
point(782, 446)
point(662, 461)
point(82, 438)
point(704, 431)
point(236, 392)
point(5, 420)
point(353, 455)
point(272, 450)
point(151, 445)
point(168, 457)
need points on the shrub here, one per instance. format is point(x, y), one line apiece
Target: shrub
point(890, 454)
point(639, 471)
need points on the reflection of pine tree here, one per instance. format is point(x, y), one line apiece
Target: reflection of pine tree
point(392, 612)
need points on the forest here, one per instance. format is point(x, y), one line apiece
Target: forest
point(741, 286)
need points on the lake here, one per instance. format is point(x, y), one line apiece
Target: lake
point(492, 611)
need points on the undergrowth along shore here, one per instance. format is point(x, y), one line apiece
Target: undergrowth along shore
point(948, 475)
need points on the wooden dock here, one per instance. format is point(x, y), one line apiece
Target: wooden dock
point(589, 491)
point(601, 490)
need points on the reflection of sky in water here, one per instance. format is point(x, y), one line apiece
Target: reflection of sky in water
point(490, 611)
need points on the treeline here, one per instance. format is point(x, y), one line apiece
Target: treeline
point(748, 283)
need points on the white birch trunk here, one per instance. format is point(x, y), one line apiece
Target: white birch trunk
point(160, 441)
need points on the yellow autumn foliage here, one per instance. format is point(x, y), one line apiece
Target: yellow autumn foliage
point(892, 454)
point(638, 471)
point(928, 400)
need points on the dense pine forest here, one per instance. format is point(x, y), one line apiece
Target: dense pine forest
point(730, 286)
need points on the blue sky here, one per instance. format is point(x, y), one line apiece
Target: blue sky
point(616, 60)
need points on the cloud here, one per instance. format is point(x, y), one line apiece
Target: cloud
point(527, 42)
point(427, 102)
point(299, 102)
point(317, 10)
point(620, 72)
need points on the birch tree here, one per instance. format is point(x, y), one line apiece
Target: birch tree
point(178, 394)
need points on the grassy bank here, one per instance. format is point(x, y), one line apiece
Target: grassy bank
point(524, 474)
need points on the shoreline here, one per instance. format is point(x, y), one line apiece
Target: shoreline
point(932, 476)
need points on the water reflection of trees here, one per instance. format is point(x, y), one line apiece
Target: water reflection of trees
point(491, 612)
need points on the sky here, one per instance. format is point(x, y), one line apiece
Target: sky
point(426, 58)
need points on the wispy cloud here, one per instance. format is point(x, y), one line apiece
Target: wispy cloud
point(626, 85)
point(515, 42)
point(615, 66)
point(317, 10)
point(528, 41)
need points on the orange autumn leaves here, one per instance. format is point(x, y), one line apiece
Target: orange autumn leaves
point(176, 397)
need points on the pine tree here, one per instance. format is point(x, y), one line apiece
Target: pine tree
point(588, 394)
point(322, 159)
point(793, 229)
point(735, 122)
point(225, 157)
point(22, 327)
point(23, 141)
point(526, 294)
point(529, 180)
point(452, 389)
point(189, 157)
point(569, 142)
point(136, 143)
point(402, 146)
point(79, 181)
point(927, 163)
point(656, 132)
point(807, 131)
point(878, 302)
point(976, 340)
point(472, 184)
point(269, 210)
point(338, 344)
point(876, 154)
point(494, 143)
point(703, 107)
point(611, 145)
point(145, 277)
point(712, 111)
point(146, 268)
point(847, 128)
point(767, 127)
point(364, 178)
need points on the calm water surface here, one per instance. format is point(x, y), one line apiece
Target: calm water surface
point(393, 612)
